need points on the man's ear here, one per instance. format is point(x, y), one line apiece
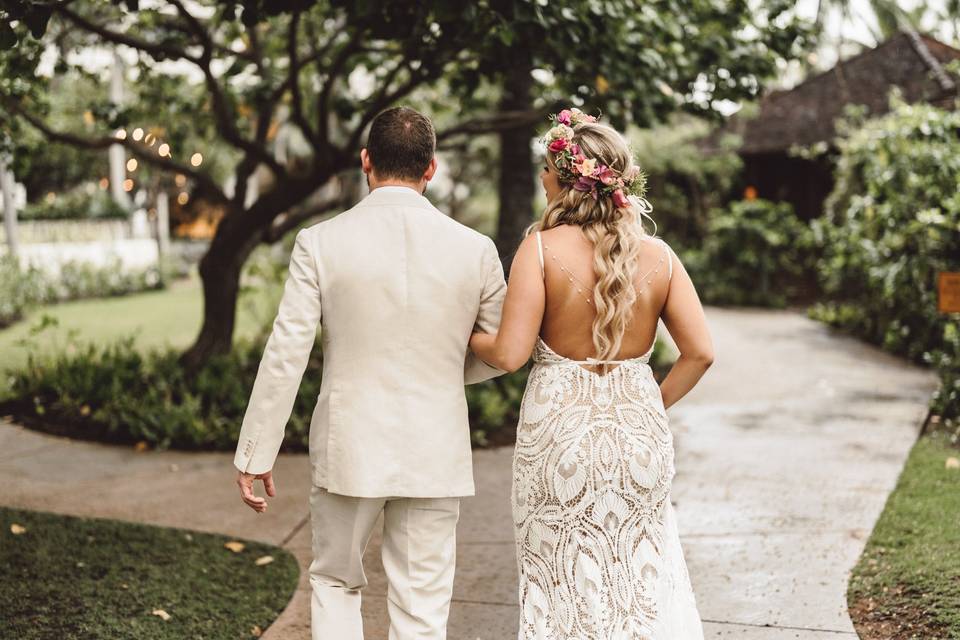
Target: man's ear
point(431, 169)
point(365, 163)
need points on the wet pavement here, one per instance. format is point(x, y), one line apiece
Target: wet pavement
point(785, 454)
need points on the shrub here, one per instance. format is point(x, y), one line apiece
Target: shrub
point(23, 288)
point(115, 393)
point(892, 223)
point(685, 182)
point(19, 289)
point(80, 203)
point(755, 252)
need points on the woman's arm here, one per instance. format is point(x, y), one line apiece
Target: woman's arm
point(510, 348)
point(684, 318)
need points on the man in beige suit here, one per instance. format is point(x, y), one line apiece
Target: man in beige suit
point(397, 288)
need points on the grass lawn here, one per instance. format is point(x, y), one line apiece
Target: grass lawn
point(906, 584)
point(169, 316)
point(67, 577)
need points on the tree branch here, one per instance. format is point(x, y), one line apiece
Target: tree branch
point(293, 80)
point(336, 68)
point(195, 27)
point(287, 222)
point(489, 124)
point(141, 151)
point(226, 125)
point(158, 51)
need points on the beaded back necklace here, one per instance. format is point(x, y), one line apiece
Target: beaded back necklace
point(648, 276)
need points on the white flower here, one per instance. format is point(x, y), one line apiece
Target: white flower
point(560, 131)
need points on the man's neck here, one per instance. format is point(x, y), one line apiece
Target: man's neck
point(396, 183)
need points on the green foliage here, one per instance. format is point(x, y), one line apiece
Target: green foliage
point(22, 289)
point(892, 224)
point(494, 404)
point(755, 252)
point(684, 182)
point(637, 61)
point(75, 204)
point(18, 289)
point(116, 392)
point(113, 392)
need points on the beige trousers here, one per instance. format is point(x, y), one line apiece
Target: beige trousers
point(419, 555)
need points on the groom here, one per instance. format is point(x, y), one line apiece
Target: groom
point(397, 288)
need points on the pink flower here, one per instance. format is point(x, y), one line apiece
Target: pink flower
point(619, 199)
point(558, 145)
point(564, 117)
point(575, 150)
point(605, 174)
point(585, 183)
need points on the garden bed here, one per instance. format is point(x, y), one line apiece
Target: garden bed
point(120, 394)
point(906, 585)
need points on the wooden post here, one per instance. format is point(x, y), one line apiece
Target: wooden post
point(7, 185)
point(163, 223)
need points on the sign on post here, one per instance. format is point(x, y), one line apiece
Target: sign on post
point(948, 292)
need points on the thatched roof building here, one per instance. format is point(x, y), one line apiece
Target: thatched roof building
point(806, 114)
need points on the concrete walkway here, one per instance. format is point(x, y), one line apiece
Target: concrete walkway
point(786, 452)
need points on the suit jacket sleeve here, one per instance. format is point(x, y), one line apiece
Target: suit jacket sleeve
point(284, 360)
point(488, 317)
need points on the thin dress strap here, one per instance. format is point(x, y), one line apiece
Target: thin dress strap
point(666, 249)
point(540, 253)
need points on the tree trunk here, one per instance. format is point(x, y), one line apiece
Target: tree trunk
point(239, 232)
point(517, 173)
point(220, 270)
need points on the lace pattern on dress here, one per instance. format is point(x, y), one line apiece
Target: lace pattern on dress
point(597, 551)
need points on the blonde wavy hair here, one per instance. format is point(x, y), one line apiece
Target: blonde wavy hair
point(616, 233)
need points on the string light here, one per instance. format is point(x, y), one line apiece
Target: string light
point(104, 183)
point(120, 134)
point(132, 164)
point(163, 149)
point(183, 198)
point(137, 134)
point(196, 159)
point(128, 185)
point(180, 179)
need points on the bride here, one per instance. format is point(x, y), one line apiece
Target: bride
point(598, 552)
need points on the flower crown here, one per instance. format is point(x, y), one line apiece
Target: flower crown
point(585, 173)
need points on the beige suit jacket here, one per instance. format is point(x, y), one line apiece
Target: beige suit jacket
point(396, 287)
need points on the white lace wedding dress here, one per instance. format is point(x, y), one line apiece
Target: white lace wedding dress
point(598, 552)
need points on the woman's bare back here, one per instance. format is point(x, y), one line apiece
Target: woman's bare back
point(569, 279)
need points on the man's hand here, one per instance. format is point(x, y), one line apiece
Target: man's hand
point(245, 480)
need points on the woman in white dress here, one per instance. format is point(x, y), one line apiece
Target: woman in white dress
point(598, 552)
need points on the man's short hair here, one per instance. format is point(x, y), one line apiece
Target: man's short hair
point(401, 144)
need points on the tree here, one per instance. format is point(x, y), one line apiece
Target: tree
point(334, 64)
point(637, 62)
point(251, 62)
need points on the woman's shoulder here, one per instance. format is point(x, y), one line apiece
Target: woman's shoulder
point(657, 242)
